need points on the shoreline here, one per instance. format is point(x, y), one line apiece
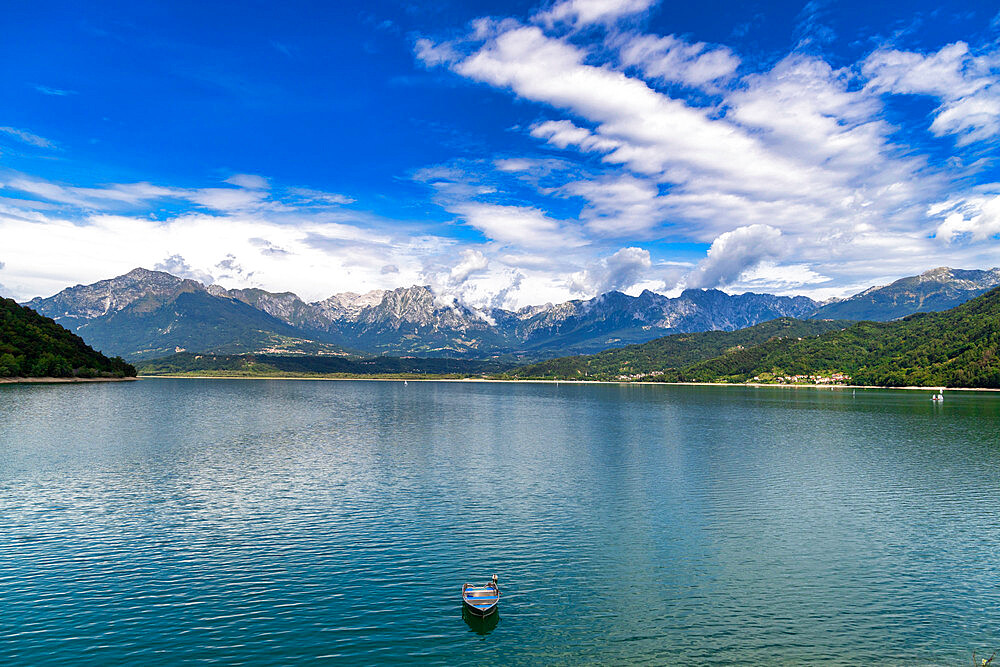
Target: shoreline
point(541, 381)
point(51, 380)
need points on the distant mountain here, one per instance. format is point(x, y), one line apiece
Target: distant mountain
point(959, 347)
point(32, 345)
point(934, 290)
point(615, 319)
point(145, 314)
point(676, 351)
point(407, 320)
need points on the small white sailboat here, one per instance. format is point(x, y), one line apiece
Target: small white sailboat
point(938, 396)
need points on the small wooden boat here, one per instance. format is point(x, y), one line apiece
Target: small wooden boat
point(481, 600)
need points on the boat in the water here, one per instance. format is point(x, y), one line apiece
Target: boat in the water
point(481, 600)
point(938, 396)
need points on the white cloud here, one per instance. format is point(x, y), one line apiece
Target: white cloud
point(563, 133)
point(472, 261)
point(310, 196)
point(524, 226)
point(967, 85)
point(619, 205)
point(227, 199)
point(798, 148)
point(177, 266)
point(620, 271)
point(58, 92)
point(28, 137)
point(318, 258)
point(250, 181)
point(974, 218)
point(734, 252)
point(432, 54)
point(769, 276)
point(251, 194)
point(582, 12)
point(674, 60)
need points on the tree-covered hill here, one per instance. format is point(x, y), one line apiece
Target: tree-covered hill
point(305, 365)
point(676, 351)
point(35, 346)
point(953, 348)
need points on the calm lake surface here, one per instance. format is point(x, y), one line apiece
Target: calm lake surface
point(266, 522)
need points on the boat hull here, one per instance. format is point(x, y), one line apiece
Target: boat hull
point(476, 611)
point(480, 600)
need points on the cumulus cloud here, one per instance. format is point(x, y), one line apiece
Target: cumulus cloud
point(176, 265)
point(620, 271)
point(975, 218)
point(734, 252)
point(472, 261)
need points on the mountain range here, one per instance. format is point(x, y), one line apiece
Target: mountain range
point(958, 347)
point(931, 291)
point(148, 314)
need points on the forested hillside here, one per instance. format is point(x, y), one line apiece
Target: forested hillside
point(952, 348)
point(35, 346)
point(305, 365)
point(676, 351)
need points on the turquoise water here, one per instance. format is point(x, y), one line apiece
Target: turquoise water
point(267, 522)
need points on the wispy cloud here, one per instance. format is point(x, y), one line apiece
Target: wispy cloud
point(57, 92)
point(310, 196)
point(583, 12)
point(28, 137)
point(794, 167)
point(966, 84)
point(251, 181)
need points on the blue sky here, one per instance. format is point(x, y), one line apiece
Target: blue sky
point(504, 153)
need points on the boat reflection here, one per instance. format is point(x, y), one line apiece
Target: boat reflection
point(479, 624)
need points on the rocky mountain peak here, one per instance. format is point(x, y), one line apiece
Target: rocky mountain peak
point(83, 302)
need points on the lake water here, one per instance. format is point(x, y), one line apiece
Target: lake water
point(266, 522)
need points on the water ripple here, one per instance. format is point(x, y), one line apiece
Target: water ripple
point(230, 522)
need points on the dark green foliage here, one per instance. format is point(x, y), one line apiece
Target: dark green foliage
point(35, 346)
point(273, 364)
point(953, 348)
point(674, 351)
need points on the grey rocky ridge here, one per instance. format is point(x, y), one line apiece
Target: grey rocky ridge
point(931, 291)
point(144, 314)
